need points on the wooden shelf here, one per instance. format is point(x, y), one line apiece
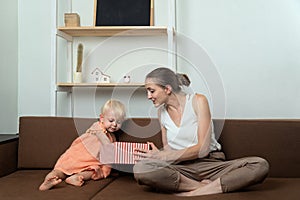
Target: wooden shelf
point(70, 85)
point(114, 31)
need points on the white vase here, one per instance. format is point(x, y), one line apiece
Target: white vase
point(77, 77)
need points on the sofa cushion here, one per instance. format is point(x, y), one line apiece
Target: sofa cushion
point(24, 184)
point(273, 188)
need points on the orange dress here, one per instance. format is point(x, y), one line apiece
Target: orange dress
point(83, 155)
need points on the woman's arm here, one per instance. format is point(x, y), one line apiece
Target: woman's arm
point(164, 139)
point(202, 111)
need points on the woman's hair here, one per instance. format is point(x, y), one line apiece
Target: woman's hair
point(164, 76)
point(116, 107)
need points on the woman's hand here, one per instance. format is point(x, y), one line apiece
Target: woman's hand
point(142, 154)
point(155, 153)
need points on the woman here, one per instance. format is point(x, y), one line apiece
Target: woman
point(191, 162)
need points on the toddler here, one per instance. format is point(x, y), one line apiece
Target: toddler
point(80, 162)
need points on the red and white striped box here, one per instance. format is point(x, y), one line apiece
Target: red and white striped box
point(124, 152)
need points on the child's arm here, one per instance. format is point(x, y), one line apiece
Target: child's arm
point(102, 137)
point(106, 154)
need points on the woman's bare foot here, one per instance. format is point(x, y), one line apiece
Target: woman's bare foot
point(207, 187)
point(76, 180)
point(49, 183)
point(206, 181)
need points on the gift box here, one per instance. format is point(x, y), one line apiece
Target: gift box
point(124, 152)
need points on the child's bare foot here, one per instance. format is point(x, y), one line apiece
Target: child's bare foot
point(49, 183)
point(76, 180)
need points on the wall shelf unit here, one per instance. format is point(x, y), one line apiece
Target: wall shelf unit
point(66, 92)
point(103, 31)
point(70, 85)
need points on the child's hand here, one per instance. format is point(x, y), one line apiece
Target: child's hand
point(95, 131)
point(107, 153)
point(101, 135)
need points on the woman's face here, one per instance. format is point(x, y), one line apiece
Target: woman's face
point(157, 94)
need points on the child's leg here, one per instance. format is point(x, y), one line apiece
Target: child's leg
point(79, 178)
point(53, 178)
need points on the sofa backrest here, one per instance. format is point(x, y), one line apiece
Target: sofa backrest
point(141, 130)
point(43, 139)
point(277, 141)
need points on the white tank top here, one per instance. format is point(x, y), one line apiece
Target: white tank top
point(186, 134)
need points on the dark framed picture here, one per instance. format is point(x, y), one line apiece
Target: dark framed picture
point(123, 13)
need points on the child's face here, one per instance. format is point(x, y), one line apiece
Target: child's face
point(110, 121)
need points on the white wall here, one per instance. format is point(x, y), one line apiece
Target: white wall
point(9, 67)
point(35, 53)
point(255, 46)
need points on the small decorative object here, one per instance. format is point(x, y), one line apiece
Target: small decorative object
point(78, 73)
point(72, 20)
point(100, 77)
point(126, 79)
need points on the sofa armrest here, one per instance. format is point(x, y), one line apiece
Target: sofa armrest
point(8, 154)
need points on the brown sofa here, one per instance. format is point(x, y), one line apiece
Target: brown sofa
point(25, 161)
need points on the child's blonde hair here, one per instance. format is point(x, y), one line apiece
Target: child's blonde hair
point(116, 107)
